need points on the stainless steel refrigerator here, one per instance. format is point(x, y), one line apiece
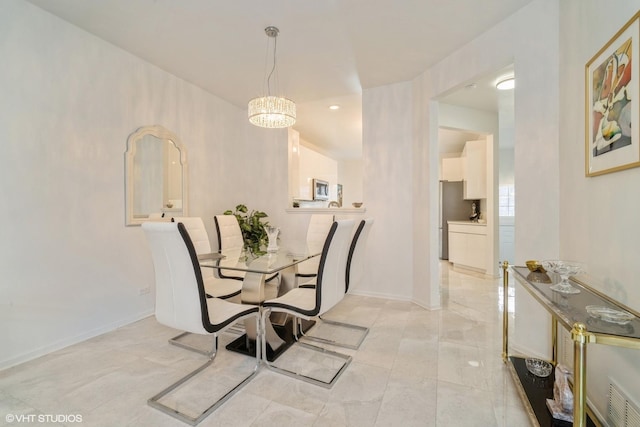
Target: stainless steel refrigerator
point(452, 208)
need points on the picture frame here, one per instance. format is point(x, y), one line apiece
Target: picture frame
point(612, 139)
point(320, 189)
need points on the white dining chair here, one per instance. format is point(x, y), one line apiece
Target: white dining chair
point(182, 303)
point(317, 230)
point(308, 303)
point(230, 241)
point(353, 274)
point(214, 287)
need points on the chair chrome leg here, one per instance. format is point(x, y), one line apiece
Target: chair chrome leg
point(176, 341)
point(155, 400)
point(346, 360)
point(236, 329)
point(356, 346)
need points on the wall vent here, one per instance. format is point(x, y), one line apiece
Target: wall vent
point(621, 412)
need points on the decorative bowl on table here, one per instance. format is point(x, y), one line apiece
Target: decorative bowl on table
point(534, 265)
point(564, 269)
point(538, 367)
point(608, 314)
point(537, 273)
point(356, 204)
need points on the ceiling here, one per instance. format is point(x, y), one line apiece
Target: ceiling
point(328, 51)
point(480, 94)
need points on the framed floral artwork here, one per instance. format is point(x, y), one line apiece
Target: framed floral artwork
point(612, 138)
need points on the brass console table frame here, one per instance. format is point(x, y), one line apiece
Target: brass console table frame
point(580, 335)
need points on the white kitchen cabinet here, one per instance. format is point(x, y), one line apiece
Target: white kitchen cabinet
point(467, 244)
point(474, 158)
point(452, 169)
point(457, 247)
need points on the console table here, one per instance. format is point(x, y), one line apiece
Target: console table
point(568, 310)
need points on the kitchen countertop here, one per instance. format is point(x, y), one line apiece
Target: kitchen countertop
point(467, 223)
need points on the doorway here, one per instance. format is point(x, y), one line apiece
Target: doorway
point(478, 109)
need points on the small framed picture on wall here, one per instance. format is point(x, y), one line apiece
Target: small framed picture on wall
point(320, 189)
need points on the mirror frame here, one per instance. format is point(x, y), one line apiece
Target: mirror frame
point(162, 134)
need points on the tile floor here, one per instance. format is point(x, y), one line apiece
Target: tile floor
point(415, 368)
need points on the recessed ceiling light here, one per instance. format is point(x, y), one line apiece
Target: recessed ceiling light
point(334, 107)
point(506, 84)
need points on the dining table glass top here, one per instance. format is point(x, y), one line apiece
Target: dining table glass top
point(263, 263)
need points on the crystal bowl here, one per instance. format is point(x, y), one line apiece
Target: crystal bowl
point(564, 269)
point(607, 314)
point(538, 367)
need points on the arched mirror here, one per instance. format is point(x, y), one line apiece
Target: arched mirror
point(155, 176)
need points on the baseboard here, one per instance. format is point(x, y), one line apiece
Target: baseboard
point(378, 295)
point(426, 306)
point(515, 349)
point(66, 342)
point(472, 271)
point(394, 298)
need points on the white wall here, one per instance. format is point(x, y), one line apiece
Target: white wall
point(598, 221)
point(306, 162)
point(468, 119)
point(70, 268)
point(506, 167)
point(314, 165)
point(387, 156)
point(506, 224)
point(350, 176)
point(529, 40)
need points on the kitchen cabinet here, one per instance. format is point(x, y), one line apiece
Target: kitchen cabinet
point(474, 157)
point(467, 244)
point(452, 169)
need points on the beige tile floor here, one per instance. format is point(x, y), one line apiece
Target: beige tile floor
point(415, 368)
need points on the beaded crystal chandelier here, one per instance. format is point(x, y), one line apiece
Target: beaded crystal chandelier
point(272, 111)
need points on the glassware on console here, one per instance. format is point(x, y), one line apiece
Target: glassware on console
point(272, 235)
point(564, 269)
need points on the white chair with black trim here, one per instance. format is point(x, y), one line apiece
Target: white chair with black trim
point(182, 303)
point(214, 287)
point(317, 230)
point(230, 241)
point(308, 303)
point(354, 271)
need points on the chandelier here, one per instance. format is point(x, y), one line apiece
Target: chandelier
point(272, 111)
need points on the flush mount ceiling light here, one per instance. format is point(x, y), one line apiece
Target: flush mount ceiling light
point(272, 111)
point(506, 84)
point(334, 107)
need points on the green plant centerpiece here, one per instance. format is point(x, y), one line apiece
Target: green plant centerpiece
point(252, 225)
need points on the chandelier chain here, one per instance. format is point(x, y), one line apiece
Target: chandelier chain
point(275, 47)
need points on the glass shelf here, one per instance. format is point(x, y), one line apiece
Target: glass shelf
point(570, 309)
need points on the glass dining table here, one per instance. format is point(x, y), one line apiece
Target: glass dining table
point(256, 289)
